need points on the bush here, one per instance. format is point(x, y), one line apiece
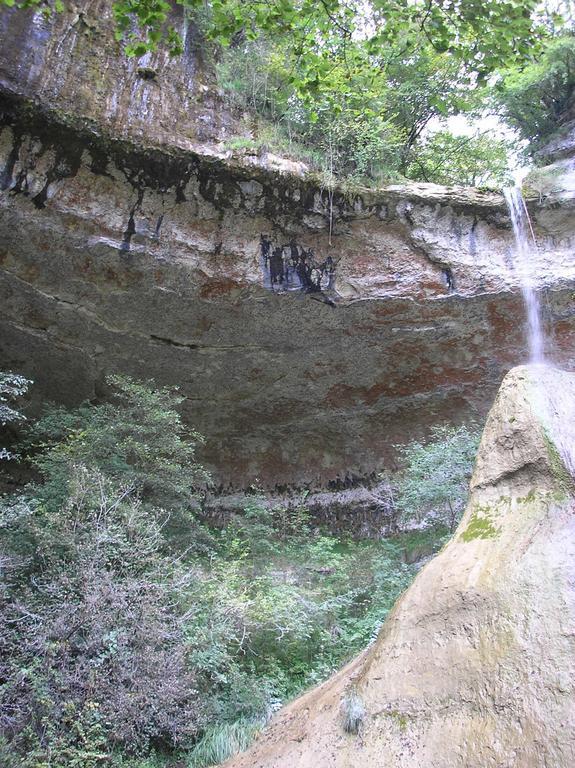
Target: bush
point(220, 742)
point(434, 484)
point(12, 386)
point(534, 97)
point(137, 439)
point(353, 712)
point(92, 630)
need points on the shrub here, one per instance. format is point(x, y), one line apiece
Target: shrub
point(353, 712)
point(220, 742)
point(434, 484)
point(138, 439)
point(532, 98)
point(93, 627)
point(12, 386)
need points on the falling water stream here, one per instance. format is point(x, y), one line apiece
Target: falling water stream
point(556, 408)
point(524, 248)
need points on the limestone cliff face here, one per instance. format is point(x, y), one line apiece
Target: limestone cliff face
point(131, 241)
point(72, 62)
point(475, 667)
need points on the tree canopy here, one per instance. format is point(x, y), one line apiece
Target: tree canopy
point(354, 85)
point(483, 33)
point(533, 97)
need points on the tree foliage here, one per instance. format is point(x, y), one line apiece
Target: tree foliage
point(12, 387)
point(435, 481)
point(148, 449)
point(366, 125)
point(484, 33)
point(533, 97)
point(122, 636)
point(479, 160)
point(360, 109)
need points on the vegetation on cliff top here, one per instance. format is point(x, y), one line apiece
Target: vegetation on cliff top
point(388, 116)
point(362, 90)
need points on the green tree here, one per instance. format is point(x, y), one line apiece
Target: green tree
point(486, 32)
point(12, 387)
point(532, 98)
point(434, 484)
point(366, 123)
point(137, 439)
point(479, 160)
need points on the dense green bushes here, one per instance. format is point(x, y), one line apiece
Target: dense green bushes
point(434, 484)
point(535, 96)
point(367, 126)
point(131, 632)
point(377, 114)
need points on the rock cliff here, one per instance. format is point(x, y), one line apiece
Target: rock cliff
point(308, 330)
point(475, 666)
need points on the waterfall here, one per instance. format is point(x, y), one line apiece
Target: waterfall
point(552, 401)
point(524, 248)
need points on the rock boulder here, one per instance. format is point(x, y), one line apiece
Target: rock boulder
point(475, 666)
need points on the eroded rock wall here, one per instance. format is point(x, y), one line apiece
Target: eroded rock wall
point(128, 246)
point(148, 261)
point(72, 62)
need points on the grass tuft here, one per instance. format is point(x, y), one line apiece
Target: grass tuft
point(222, 741)
point(353, 712)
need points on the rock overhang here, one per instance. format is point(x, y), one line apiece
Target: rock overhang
point(146, 259)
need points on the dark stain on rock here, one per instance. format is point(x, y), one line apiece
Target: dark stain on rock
point(449, 279)
point(180, 195)
point(173, 343)
point(99, 162)
point(473, 237)
point(8, 170)
point(292, 267)
point(130, 230)
point(147, 73)
point(62, 168)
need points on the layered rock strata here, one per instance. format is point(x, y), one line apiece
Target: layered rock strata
point(309, 331)
point(362, 511)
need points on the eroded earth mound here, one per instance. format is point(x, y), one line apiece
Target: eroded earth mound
point(475, 667)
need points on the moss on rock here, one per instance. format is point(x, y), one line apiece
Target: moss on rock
point(480, 526)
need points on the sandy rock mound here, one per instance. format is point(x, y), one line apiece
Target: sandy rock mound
point(475, 667)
